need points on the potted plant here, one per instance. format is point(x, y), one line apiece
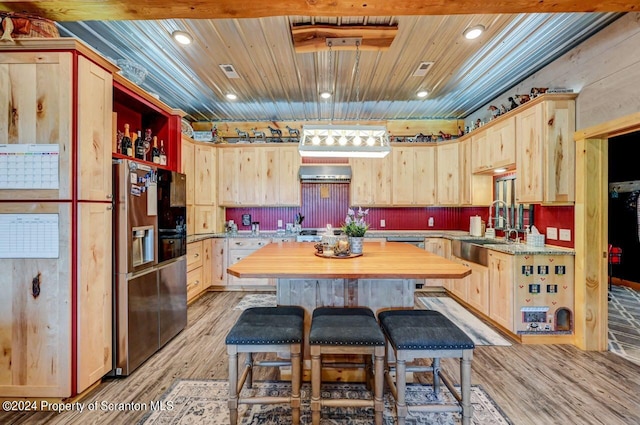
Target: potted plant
point(355, 227)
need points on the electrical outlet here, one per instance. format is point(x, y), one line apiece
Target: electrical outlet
point(430, 221)
point(552, 233)
point(279, 224)
point(382, 223)
point(565, 234)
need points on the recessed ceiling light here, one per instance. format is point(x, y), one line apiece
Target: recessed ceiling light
point(231, 96)
point(473, 32)
point(325, 95)
point(422, 93)
point(182, 37)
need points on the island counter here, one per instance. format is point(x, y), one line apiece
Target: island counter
point(381, 278)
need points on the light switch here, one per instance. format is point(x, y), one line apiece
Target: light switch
point(565, 234)
point(279, 224)
point(382, 223)
point(430, 222)
point(552, 233)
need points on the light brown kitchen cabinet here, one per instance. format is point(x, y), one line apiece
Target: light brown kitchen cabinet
point(501, 283)
point(414, 175)
point(187, 167)
point(219, 277)
point(197, 253)
point(205, 172)
point(475, 189)
point(459, 287)
point(207, 264)
point(371, 181)
point(546, 154)
point(239, 248)
point(495, 145)
point(478, 289)
point(448, 173)
point(258, 175)
point(441, 247)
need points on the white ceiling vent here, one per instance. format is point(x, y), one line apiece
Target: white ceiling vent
point(422, 69)
point(229, 71)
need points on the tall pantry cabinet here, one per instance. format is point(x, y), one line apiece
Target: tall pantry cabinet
point(55, 258)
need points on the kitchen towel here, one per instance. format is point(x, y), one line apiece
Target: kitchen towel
point(475, 228)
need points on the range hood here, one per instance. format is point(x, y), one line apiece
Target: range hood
point(325, 173)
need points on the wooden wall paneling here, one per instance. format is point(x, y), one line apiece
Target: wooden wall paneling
point(35, 332)
point(36, 105)
point(95, 98)
point(94, 293)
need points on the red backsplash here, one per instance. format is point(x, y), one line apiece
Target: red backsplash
point(558, 217)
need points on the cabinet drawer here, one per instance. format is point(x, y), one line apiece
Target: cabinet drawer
point(194, 255)
point(283, 239)
point(194, 283)
point(236, 255)
point(247, 243)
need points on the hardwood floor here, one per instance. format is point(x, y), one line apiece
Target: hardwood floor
point(532, 384)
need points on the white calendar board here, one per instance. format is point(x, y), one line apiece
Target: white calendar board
point(29, 166)
point(29, 236)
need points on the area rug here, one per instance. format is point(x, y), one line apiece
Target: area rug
point(480, 333)
point(205, 402)
point(624, 323)
point(256, 300)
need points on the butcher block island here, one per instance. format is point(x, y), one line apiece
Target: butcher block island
point(381, 278)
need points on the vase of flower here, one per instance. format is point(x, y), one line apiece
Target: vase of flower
point(356, 244)
point(355, 227)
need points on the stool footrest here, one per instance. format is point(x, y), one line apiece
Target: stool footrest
point(435, 408)
point(272, 363)
point(346, 402)
point(264, 400)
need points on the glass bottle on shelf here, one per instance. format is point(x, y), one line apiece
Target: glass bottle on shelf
point(139, 147)
point(119, 136)
point(155, 152)
point(163, 155)
point(127, 145)
point(148, 140)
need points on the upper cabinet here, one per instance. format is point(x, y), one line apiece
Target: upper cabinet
point(448, 173)
point(494, 146)
point(263, 175)
point(371, 181)
point(475, 189)
point(414, 175)
point(546, 152)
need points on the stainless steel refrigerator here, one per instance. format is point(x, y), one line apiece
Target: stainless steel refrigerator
point(150, 297)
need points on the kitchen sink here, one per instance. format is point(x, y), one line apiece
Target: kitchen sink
point(473, 250)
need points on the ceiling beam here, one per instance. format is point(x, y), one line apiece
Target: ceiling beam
point(313, 38)
point(84, 10)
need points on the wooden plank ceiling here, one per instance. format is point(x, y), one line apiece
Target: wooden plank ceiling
point(72, 10)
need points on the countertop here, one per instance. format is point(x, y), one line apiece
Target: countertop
point(391, 260)
point(513, 249)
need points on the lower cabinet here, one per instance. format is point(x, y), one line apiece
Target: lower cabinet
point(199, 268)
point(501, 278)
point(441, 247)
point(239, 248)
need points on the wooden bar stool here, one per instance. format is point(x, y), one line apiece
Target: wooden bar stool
point(415, 334)
point(265, 330)
point(346, 331)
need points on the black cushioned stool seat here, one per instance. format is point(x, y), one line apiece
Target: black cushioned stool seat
point(346, 331)
point(262, 330)
point(414, 334)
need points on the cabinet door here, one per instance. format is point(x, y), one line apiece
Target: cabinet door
point(478, 291)
point(207, 263)
point(381, 169)
point(559, 151)
point(480, 152)
point(205, 219)
point(501, 282)
point(269, 163)
point(361, 186)
point(35, 327)
point(436, 246)
point(188, 168)
point(423, 180)
point(36, 108)
point(219, 276)
point(94, 293)
point(460, 287)
point(448, 174)
point(403, 175)
point(228, 176)
point(529, 156)
point(288, 182)
point(95, 100)
point(501, 139)
point(249, 176)
point(205, 171)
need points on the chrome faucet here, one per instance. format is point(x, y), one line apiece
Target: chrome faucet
point(506, 215)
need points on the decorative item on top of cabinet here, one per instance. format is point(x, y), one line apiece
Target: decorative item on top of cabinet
point(546, 152)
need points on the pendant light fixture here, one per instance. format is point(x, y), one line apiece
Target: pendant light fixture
point(334, 141)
